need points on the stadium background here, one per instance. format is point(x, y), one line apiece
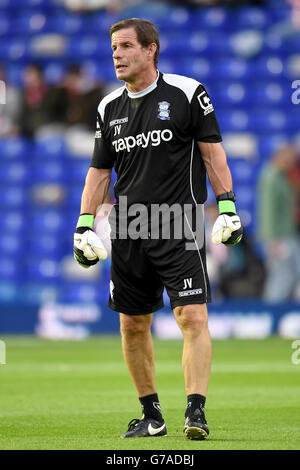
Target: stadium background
point(247, 54)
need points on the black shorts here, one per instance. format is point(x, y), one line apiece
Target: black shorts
point(140, 269)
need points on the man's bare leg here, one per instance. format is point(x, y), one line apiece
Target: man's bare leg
point(197, 349)
point(138, 353)
point(196, 365)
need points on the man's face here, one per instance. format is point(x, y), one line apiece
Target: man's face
point(130, 58)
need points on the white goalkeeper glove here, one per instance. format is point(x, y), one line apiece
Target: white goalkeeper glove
point(88, 248)
point(227, 228)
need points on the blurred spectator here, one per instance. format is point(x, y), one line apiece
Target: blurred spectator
point(235, 272)
point(216, 255)
point(205, 3)
point(119, 5)
point(277, 227)
point(10, 108)
point(295, 13)
point(76, 100)
point(243, 275)
point(34, 104)
point(294, 177)
point(286, 28)
point(88, 5)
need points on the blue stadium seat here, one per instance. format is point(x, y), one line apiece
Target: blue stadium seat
point(231, 68)
point(100, 23)
point(9, 291)
point(167, 65)
point(54, 73)
point(233, 120)
point(49, 170)
point(5, 29)
point(31, 22)
point(268, 66)
point(47, 221)
point(173, 45)
point(251, 17)
point(74, 195)
point(105, 70)
point(291, 45)
point(13, 221)
point(69, 24)
point(15, 148)
point(233, 93)
point(88, 47)
point(212, 19)
point(198, 68)
point(271, 93)
point(78, 170)
point(278, 12)
point(13, 196)
point(47, 269)
point(267, 120)
point(246, 195)
point(161, 14)
point(10, 269)
point(4, 4)
point(27, 4)
point(36, 292)
point(50, 147)
point(242, 171)
point(205, 44)
point(178, 18)
point(269, 143)
point(16, 171)
point(11, 244)
point(14, 50)
point(14, 74)
point(45, 245)
point(82, 292)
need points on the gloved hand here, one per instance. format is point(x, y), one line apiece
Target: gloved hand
point(88, 248)
point(227, 228)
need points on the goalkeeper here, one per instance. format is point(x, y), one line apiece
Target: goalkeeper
point(160, 133)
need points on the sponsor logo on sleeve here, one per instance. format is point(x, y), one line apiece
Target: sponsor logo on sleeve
point(205, 103)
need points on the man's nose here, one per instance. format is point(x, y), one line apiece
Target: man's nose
point(116, 53)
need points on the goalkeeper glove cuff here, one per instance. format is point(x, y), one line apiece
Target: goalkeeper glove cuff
point(88, 248)
point(227, 228)
point(85, 222)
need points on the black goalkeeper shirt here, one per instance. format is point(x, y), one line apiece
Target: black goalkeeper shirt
point(150, 138)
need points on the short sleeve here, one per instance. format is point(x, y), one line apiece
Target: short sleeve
point(102, 158)
point(204, 121)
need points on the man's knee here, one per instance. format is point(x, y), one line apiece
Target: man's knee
point(192, 318)
point(135, 324)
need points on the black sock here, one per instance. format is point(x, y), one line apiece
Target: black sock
point(194, 402)
point(151, 407)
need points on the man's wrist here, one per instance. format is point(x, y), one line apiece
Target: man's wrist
point(226, 206)
point(226, 202)
point(86, 220)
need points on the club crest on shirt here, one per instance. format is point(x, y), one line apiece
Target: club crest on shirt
point(164, 111)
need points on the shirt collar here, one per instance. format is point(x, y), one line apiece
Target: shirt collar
point(144, 92)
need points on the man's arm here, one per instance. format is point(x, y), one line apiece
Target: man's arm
point(227, 228)
point(88, 248)
point(95, 190)
point(218, 172)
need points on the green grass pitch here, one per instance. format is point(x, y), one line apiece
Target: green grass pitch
point(78, 395)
